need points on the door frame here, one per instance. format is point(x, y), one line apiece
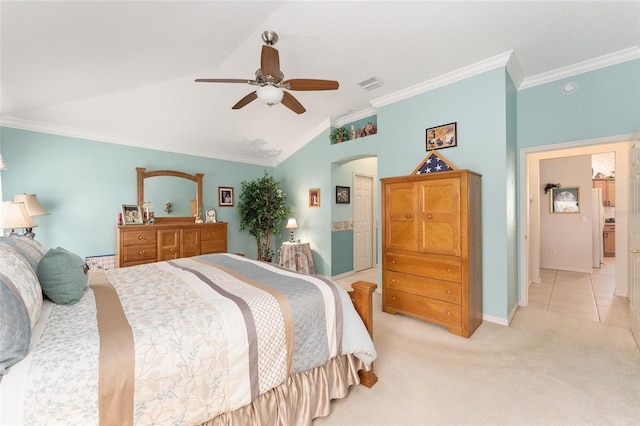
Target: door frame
point(525, 200)
point(374, 234)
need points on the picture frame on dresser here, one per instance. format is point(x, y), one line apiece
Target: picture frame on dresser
point(131, 214)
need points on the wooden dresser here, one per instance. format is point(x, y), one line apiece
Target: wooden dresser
point(139, 244)
point(432, 248)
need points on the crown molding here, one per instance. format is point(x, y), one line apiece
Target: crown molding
point(582, 67)
point(445, 79)
point(341, 120)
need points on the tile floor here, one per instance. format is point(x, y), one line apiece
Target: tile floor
point(587, 296)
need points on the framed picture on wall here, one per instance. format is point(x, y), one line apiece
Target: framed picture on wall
point(314, 197)
point(225, 196)
point(131, 215)
point(442, 137)
point(565, 199)
point(343, 195)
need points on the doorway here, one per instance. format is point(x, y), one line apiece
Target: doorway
point(530, 200)
point(363, 230)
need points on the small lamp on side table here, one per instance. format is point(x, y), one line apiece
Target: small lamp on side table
point(292, 224)
point(15, 215)
point(34, 208)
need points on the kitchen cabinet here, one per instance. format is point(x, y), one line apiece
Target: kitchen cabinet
point(608, 187)
point(609, 240)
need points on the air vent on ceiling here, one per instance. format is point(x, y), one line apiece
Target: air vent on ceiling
point(370, 83)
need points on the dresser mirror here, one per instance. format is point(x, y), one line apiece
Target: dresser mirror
point(182, 190)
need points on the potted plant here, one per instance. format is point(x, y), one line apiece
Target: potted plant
point(262, 210)
point(339, 134)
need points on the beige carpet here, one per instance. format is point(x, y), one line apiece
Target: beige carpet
point(542, 370)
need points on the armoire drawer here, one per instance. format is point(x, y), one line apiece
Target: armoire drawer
point(438, 268)
point(423, 286)
point(137, 237)
point(422, 307)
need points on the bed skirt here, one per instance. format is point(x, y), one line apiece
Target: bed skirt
point(300, 399)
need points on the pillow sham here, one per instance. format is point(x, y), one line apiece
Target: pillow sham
point(30, 249)
point(63, 276)
point(15, 327)
point(17, 270)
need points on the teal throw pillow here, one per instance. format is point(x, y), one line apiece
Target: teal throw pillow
point(63, 276)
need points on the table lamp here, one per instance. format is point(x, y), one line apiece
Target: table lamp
point(15, 215)
point(292, 224)
point(34, 208)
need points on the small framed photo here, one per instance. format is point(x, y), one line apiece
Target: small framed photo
point(225, 196)
point(314, 197)
point(343, 195)
point(442, 137)
point(565, 199)
point(131, 215)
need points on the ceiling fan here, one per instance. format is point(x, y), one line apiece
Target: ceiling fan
point(269, 80)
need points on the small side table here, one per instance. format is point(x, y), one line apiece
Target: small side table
point(297, 257)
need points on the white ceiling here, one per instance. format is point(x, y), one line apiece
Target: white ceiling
point(123, 72)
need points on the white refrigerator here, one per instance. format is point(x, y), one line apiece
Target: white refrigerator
point(598, 227)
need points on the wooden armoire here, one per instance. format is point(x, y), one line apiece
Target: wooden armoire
point(432, 248)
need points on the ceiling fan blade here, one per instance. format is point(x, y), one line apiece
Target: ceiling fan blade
point(292, 103)
point(270, 62)
point(310, 84)
point(244, 101)
point(223, 80)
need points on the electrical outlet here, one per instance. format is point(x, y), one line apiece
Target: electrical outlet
point(552, 251)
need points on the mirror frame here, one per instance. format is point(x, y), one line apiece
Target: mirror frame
point(142, 174)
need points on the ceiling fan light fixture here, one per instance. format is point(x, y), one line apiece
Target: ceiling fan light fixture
point(270, 95)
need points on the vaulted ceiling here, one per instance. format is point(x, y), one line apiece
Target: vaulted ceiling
point(123, 71)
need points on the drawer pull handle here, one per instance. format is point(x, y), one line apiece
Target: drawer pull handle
point(393, 262)
point(393, 298)
point(407, 216)
point(171, 250)
point(141, 237)
point(141, 252)
point(448, 291)
point(449, 270)
point(448, 313)
point(393, 280)
point(429, 216)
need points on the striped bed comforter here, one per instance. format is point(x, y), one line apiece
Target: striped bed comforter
point(182, 341)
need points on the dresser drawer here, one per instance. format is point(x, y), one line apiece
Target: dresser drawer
point(139, 253)
point(208, 247)
point(442, 269)
point(214, 233)
point(422, 286)
point(421, 307)
point(138, 237)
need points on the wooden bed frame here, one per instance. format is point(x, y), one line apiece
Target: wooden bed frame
point(362, 298)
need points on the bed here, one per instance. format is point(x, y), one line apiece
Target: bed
point(212, 339)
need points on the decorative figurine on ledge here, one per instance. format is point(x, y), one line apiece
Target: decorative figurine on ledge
point(167, 207)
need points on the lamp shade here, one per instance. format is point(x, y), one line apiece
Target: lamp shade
point(15, 215)
point(34, 208)
point(292, 224)
point(270, 95)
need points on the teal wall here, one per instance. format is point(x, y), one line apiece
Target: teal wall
point(607, 103)
point(83, 183)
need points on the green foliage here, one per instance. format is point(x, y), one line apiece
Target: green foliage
point(262, 210)
point(339, 133)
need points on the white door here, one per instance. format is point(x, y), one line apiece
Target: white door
point(634, 228)
point(362, 222)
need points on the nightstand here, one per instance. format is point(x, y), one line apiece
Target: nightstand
point(297, 257)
